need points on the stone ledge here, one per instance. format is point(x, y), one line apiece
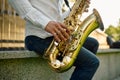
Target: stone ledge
point(17, 54)
point(29, 54)
point(108, 51)
point(26, 65)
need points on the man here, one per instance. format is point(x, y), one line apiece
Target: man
point(43, 23)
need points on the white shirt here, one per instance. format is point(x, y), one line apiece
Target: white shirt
point(37, 14)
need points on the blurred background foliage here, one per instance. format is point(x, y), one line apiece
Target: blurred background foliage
point(113, 31)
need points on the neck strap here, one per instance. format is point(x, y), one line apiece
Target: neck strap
point(67, 3)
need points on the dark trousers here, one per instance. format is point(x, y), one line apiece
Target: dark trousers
point(86, 63)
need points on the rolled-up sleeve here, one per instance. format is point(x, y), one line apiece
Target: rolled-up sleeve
point(29, 13)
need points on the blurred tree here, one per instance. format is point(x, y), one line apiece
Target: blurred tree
point(114, 32)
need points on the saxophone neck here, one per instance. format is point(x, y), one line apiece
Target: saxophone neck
point(78, 8)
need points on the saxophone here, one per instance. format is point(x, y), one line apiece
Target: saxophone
point(62, 55)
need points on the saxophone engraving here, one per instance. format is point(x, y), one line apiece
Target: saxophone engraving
point(62, 55)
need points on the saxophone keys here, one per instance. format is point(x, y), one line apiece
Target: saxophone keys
point(66, 59)
point(56, 63)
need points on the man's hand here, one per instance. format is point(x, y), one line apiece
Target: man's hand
point(59, 31)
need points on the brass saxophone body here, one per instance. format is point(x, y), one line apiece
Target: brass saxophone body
point(62, 55)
